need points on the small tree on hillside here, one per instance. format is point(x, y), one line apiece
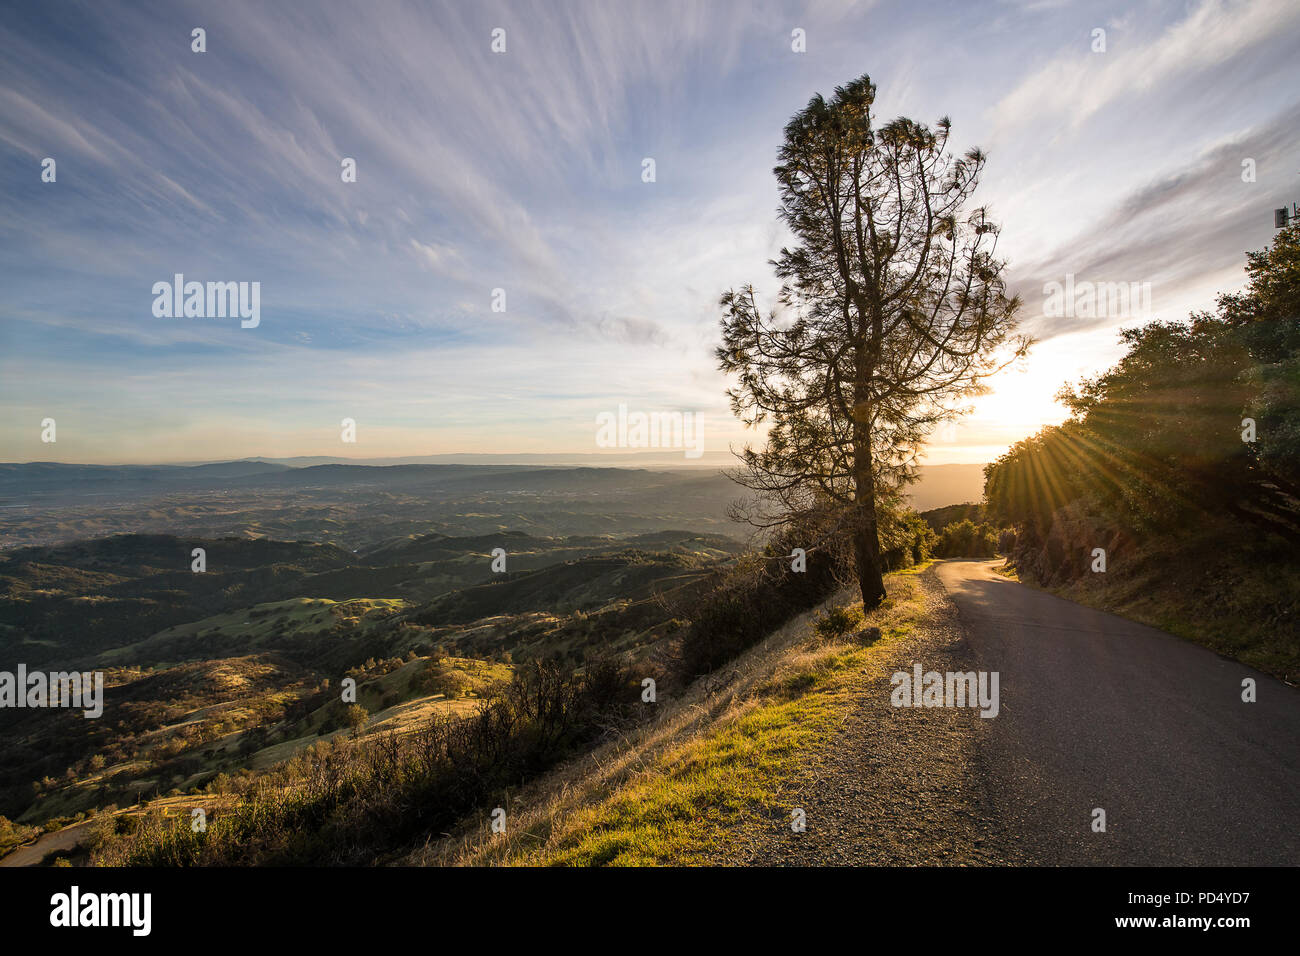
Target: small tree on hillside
point(355, 716)
point(895, 307)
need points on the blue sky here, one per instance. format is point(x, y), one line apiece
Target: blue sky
point(523, 171)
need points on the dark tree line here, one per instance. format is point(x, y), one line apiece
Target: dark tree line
point(1198, 417)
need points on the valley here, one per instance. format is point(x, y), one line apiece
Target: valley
point(313, 576)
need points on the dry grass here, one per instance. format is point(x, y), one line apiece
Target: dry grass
point(669, 793)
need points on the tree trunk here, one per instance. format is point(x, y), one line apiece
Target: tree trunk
point(866, 535)
point(866, 550)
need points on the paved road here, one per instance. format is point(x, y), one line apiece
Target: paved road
point(1097, 711)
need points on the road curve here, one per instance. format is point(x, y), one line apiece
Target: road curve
point(1100, 712)
point(34, 853)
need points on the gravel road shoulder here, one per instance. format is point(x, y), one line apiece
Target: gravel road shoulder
point(892, 785)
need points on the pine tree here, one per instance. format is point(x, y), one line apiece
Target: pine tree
point(894, 306)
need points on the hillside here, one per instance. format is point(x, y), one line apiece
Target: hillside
point(714, 777)
point(940, 518)
point(941, 485)
point(237, 668)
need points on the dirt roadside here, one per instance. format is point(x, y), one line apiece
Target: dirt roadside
point(892, 785)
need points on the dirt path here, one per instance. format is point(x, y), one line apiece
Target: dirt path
point(32, 854)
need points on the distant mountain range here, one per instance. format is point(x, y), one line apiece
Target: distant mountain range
point(939, 485)
point(942, 485)
point(659, 460)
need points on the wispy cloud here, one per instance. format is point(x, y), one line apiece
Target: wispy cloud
point(523, 171)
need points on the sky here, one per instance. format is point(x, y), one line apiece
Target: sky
point(523, 171)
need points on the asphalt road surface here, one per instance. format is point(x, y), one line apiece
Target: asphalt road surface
point(1100, 712)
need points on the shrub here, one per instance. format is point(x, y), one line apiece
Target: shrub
point(751, 600)
point(355, 716)
point(839, 621)
point(965, 539)
point(362, 800)
point(905, 539)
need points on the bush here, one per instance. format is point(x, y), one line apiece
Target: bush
point(12, 834)
point(355, 716)
point(839, 621)
point(905, 539)
point(747, 604)
point(965, 539)
point(362, 801)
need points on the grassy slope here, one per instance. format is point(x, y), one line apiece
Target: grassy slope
point(256, 626)
point(413, 711)
point(412, 707)
point(673, 792)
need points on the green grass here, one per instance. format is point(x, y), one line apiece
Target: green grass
point(263, 623)
point(681, 809)
point(678, 817)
